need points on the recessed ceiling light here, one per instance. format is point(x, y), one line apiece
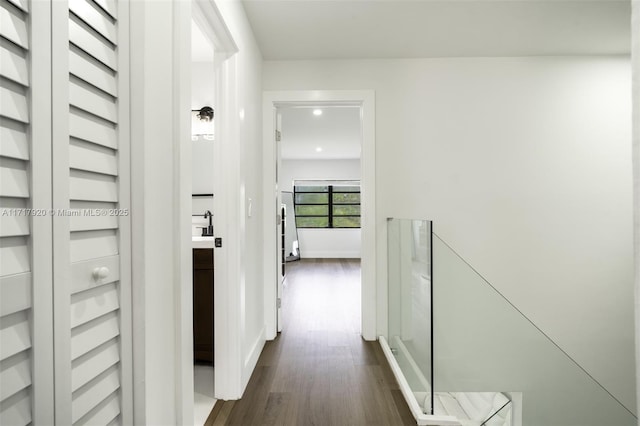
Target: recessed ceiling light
point(319, 149)
point(317, 112)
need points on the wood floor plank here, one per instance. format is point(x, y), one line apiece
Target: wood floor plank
point(319, 370)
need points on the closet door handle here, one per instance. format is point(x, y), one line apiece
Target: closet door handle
point(100, 273)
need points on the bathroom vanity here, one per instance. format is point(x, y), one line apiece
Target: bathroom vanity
point(203, 300)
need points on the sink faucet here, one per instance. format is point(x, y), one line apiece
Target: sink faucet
point(208, 231)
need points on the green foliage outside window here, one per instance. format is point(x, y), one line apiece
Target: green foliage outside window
point(327, 206)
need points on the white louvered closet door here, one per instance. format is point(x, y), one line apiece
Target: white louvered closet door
point(93, 377)
point(26, 332)
point(65, 292)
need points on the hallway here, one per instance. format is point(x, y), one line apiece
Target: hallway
point(319, 371)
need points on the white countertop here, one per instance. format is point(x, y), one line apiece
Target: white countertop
point(201, 242)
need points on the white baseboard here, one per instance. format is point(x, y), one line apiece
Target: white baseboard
point(329, 254)
point(251, 359)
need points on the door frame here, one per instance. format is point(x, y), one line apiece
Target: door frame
point(227, 354)
point(365, 99)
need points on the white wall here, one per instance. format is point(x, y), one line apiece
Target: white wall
point(323, 243)
point(248, 68)
point(161, 205)
point(156, 322)
point(316, 169)
point(635, 52)
point(524, 166)
point(202, 94)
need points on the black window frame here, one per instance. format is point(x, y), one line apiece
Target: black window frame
point(331, 190)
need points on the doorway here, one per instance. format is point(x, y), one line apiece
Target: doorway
point(364, 101)
point(202, 208)
point(319, 174)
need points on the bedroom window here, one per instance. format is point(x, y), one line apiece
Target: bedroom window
point(322, 205)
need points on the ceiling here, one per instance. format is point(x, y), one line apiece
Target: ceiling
point(359, 29)
point(336, 132)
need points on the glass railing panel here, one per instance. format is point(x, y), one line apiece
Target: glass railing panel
point(409, 327)
point(483, 343)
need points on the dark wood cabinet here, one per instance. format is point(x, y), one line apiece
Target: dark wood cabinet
point(203, 305)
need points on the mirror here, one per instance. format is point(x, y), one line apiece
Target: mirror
point(291, 244)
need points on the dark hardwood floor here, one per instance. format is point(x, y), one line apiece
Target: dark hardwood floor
point(319, 371)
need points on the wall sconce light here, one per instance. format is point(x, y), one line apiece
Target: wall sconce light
point(202, 123)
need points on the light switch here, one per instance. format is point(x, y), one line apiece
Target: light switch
point(249, 207)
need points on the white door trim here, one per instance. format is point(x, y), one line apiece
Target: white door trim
point(366, 100)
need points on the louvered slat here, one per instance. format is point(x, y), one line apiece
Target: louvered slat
point(13, 140)
point(86, 186)
point(91, 395)
point(93, 158)
point(13, 26)
point(93, 222)
point(82, 96)
point(91, 304)
point(21, 4)
point(93, 244)
point(88, 70)
point(85, 40)
point(13, 64)
point(14, 334)
point(14, 256)
point(13, 103)
point(105, 413)
point(14, 178)
point(109, 6)
point(14, 221)
point(88, 366)
point(85, 127)
point(90, 15)
point(18, 409)
point(93, 334)
point(15, 293)
point(15, 374)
